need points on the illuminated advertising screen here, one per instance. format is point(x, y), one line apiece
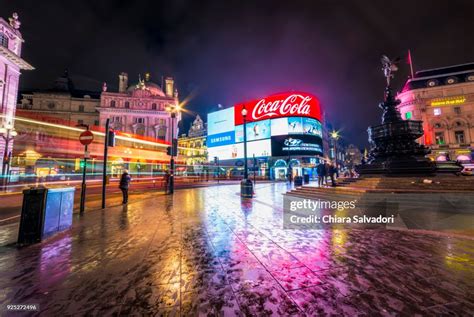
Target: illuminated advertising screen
point(295, 125)
point(283, 105)
point(312, 126)
point(255, 131)
point(297, 145)
point(220, 121)
point(219, 139)
point(236, 151)
point(279, 126)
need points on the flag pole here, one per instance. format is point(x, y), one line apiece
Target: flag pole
point(411, 64)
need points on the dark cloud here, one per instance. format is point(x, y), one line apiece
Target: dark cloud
point(229, 51)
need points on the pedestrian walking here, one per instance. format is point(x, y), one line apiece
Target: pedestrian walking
point(332, 173)
point(321, 169)
point(327, 166)
point(124, 184)
point(167, 180)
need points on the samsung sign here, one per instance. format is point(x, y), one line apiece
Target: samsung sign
point(219, 139)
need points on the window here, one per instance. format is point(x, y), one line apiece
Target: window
point(162, 107)
point(116, 119)
point(96, 122)
point(51, 105)
point(437, 111)
point(161, 121)
point(457, 110)
point(153, 106)
point(127, 105)
point(161, 133)
point(459, 136)
point(458, 123)
point(139, 120)
point(408, 115)
point(437, 125)
point(81, 108)
point(439, 137)
point(3, 40)
point(79, 122)
point(112, 104)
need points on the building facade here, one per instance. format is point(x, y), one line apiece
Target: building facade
point(192, 147)
point(443, 99)
point(62, 103)
point(11, 64)
point(141, 108)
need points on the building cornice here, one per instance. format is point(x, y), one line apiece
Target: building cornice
point(127, 96)
point(17, 60)
point(138, 111)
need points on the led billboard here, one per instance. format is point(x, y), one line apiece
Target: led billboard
point(220, 121)
point(297, 145)
point(236, 151)
point(255, 131)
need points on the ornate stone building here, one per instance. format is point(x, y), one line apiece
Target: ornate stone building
point(62, 103)
point(11, 64)
point(443, 98)
point(192, 148)
point(140, 108)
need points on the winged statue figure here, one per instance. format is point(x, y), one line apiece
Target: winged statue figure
point(389, 67)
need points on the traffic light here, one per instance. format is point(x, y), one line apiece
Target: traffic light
point(168, 150)
point(111, 138)
point(81, 164)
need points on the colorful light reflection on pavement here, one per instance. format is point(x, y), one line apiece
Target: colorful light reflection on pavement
point(206, 251)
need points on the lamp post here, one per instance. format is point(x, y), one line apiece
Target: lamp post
point(335, 136)
point(290, 172)
point(246, 186)
point(8, 133)
point(172, 110)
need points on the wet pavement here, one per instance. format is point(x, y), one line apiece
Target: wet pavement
point(207, 252)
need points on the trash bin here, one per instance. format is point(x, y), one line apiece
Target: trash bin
point(306, 178)
point(45, 212)
point(298, 181)
point(246, 188)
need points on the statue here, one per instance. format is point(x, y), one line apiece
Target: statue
point(389, 67)
point(104, 87)
point(393, 146)
point(14, 22)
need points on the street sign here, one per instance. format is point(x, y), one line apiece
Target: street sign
point(86, 137)
point(87, 154)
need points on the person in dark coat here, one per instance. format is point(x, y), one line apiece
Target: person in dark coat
point(124, 184)
point(321, 169)
point(332, 171)
point(167, 177)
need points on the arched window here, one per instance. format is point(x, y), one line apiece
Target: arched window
point(127, 105)
point(112, 104)
point(3, 40)
point(161, 134)
point(153, 106)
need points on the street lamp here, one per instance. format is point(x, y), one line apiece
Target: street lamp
point(290, 172)
point(8, 133)
point(172, 110)
point(246, 186)
point(335, 136)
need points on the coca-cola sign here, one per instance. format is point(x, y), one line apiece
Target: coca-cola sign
point(294, 104)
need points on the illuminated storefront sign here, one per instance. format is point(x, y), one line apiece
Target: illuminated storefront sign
point(294, 104)
point(448, 101)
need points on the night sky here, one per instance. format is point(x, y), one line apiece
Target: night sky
point(231, 51)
